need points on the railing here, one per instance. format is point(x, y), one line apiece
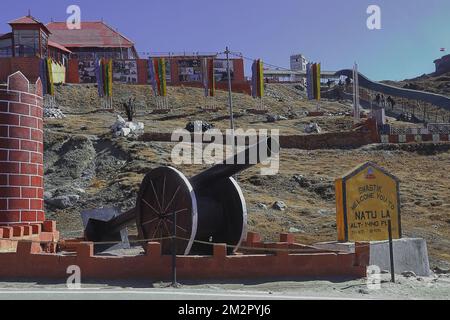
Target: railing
point(432, 128)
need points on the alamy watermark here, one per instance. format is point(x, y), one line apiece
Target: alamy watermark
point(215, 147)
point(73, 22)
point(374, 19)
point(373, 281)
point(74, 280)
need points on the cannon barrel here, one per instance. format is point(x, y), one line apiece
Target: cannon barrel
point(251, 156)
point(210, 206)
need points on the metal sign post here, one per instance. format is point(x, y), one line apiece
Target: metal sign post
point(356, 108)
point(174, 252)
point(391, 252)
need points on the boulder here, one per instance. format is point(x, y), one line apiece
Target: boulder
point(279, 205)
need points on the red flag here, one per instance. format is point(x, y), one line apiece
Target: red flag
point(442, 49)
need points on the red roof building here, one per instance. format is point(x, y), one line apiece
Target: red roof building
point(32, 38)
point(93, 37)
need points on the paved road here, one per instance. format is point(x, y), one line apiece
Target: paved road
point(152, 294)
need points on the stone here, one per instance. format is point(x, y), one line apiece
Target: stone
point(294, 230)
point(439, 270)
point(124, 132)
point(261, 206)
point(274, 118)
point(408, 274)
point(363, 291)
point(63, 202)
point(279, 205)
point(47, 195)
point(313, 128)
point(53, 113)
point(122, 128)
point(302, 181)
point(197, 126)
point(324, 212)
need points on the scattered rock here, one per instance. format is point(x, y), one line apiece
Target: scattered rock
point(439, 270)
point(294, 230)
point(436, 203)
point(408, 117)
point(122, 128)
point(302, 181)
point(279, 205)
point(324, 212)
point(196, 126)
point(262, 206)
point(408, 274)
point(274, 118)
point(64, 202)
point(325, 189)
point(47, 195)
point(53, 113)
point(363, 291)
point(313, 128)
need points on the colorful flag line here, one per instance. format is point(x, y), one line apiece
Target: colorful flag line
point(313, 81)
point(258, 79)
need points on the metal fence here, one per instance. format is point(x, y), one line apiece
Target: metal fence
point(432, 128)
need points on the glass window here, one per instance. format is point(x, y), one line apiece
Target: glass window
point(26, 43)
point(5, 48)
point(44, 44)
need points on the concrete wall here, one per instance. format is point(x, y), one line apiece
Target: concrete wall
point(409, 255)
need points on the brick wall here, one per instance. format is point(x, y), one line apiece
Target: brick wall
point(29, 66)
point(27, 262)
point(21, 152)
point(332, 140)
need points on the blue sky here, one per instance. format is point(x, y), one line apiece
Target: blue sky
point(327, 31)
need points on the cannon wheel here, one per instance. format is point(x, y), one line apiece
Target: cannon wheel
point(165, 191)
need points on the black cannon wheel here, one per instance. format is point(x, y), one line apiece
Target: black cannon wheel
point(165, 192)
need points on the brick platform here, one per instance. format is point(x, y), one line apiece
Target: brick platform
point(28, 262)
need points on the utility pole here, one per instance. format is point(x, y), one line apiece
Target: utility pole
point(356, 107)
point(230, 97)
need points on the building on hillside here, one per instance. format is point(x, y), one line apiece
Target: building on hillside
point(29, 38)
point(297, 72)
point(93, 40)
point(186, 69)
point(298, 62)
point(78, 49)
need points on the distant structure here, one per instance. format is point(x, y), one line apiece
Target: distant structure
point(442, 65)
point(298, 62)
point(296, 73)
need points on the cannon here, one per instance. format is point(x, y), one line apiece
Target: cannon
point(209, 207)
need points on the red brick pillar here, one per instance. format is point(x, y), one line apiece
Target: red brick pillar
point(21, 152)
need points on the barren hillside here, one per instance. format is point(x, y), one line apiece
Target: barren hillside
point(90, 168)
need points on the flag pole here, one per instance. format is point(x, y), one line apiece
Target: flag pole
point(230, 97)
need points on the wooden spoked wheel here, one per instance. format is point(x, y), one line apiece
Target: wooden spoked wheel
point(165, 192)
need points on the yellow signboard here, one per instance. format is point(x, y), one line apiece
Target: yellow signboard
point(366, 199)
